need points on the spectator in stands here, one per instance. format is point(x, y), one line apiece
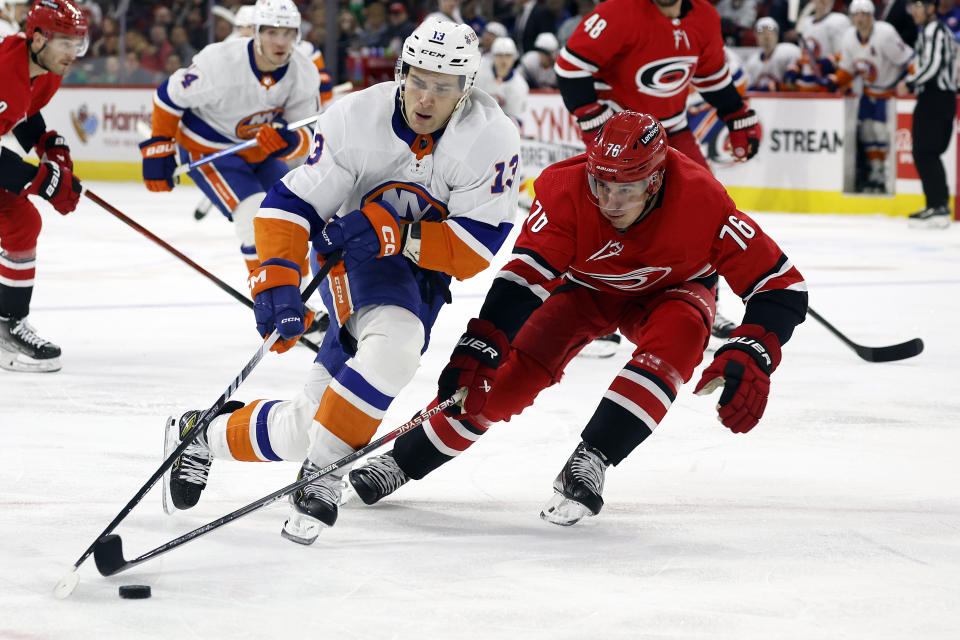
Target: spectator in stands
point(133, 73)
point(584, 8)
point(374, 32)
point(347, 28)
point(537, 64)
point(448, 10)
point(112, 72)
point(155, 56)
point(769, 68)
point(399, 26)
point(532, 20)
point(491, 32)
point(109, 42)
point(196, 30)
point(949, 14)
point(736, 16)
point(163, 16)
point(471, 17)
point(895, 12)
point(172, 63)
point(181, 44)
point(497, 76)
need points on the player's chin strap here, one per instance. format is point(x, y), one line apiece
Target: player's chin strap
point(34, 56)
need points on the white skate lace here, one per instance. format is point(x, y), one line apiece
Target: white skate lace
point(384, 473)
point(28, 334)
point(325, 488)
point(195, 464)
point(586, 467)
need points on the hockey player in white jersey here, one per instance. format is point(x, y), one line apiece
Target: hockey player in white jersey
point(236, 90)
point(415, 180)
point(769, 69)
point(820, 36)
point(874, 51)
point(500, 78)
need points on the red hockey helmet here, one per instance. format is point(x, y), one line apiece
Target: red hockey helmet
point(629, 153)
point(58, 17)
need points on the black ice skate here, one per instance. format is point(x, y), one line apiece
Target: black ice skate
point(930, 218)
point(602, 347)
point(21, 349)
point(722, 327)
point(377, 479)
point(313, 507)
point(189, 473)
point(577, 488)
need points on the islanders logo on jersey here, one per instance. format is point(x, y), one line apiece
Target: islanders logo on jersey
point(410, 200)
point(866, 69)
point(247, 127)
point(666, 77)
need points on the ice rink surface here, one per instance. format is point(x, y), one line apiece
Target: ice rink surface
point(837, 517)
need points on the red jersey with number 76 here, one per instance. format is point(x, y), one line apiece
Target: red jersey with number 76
point(694, 231)
point(645, 61)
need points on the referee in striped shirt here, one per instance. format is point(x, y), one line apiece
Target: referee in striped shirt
point(934, 81)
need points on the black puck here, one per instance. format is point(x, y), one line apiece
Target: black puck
point(135, 591)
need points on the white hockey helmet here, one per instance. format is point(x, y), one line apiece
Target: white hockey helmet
point(275, 13)
point(766, 23)
point(244, 16)
point(443, 47)
point(861, 6)
point(504, 47)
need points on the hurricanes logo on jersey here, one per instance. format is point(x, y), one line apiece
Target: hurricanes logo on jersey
point(666, 77)
point(633, 281)
point(247, 128)
point(410, 200)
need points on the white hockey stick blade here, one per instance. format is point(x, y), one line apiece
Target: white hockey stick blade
point(563, 511)
point(170, 441)
point(66, 585)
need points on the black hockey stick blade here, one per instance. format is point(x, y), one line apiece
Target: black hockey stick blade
point(108, 554)
point(889, 353)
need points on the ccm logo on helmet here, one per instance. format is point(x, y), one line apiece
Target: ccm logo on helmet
point(435, 54)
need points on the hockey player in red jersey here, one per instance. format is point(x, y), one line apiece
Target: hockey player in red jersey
point(32, 65)
point(643, 55)
point(636, 234)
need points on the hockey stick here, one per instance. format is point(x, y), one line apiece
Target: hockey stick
point(217, 281)
point(108, 549)
point(889, 353)
point(68, 582)
point(240, 146)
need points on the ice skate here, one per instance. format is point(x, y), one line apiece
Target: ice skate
point(375, 480)
point(930, 218)
point(312, 507)
point(602, 347)
point(21, 349)
point(722, 327)
point(203, 208)
point(191, 469)
point(577, 488)
point(171, 438)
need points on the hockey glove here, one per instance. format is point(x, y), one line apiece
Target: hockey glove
point(276, 140)
point(591, 119)
point(743, 366)
point(57, 185)
point(52, 147)
point(745, 133)
point(473, 365)
point(159, 162)
point(363, 234)
point(275, 287)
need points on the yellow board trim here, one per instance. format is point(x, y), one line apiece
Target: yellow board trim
point(802, 201)
point(113, 171)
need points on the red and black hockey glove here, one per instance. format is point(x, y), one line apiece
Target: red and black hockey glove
point(743, 366)
point(52, 147)
point(473, 365)
point(159, 162)
point(275, 287)
point(57, 185)
point(745, 133)
point(591, 119)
